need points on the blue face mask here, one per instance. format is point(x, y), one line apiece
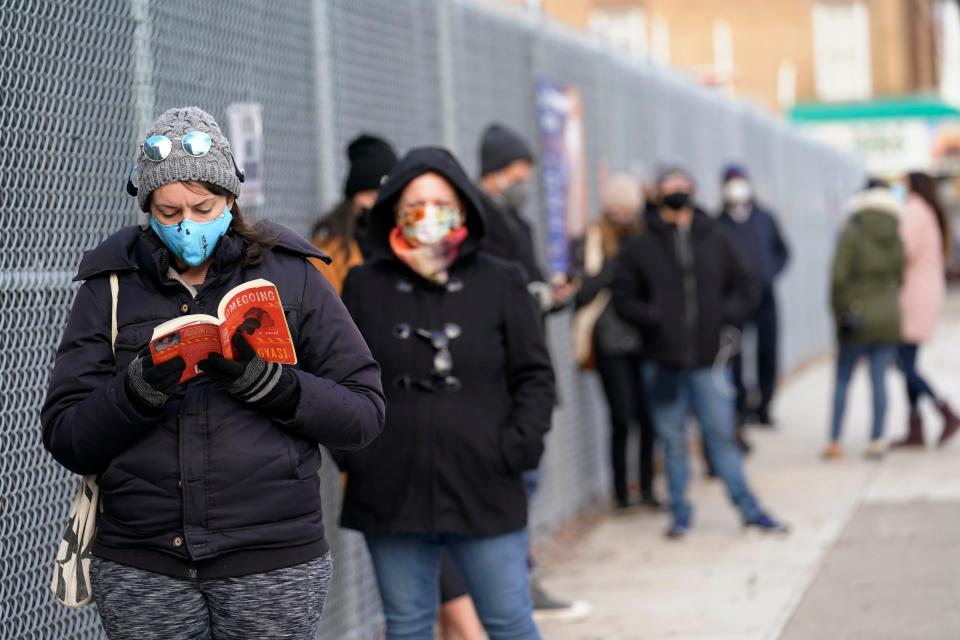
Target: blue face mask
point(193, 242)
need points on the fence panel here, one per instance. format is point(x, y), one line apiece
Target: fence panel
point(82, 79)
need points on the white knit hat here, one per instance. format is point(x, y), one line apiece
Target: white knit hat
point(621, 191)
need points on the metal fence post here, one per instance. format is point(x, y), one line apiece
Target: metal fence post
point(323, 97)
point(143, 91)
point(445, 58)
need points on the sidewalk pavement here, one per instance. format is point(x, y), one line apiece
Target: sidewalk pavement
point(874, 552)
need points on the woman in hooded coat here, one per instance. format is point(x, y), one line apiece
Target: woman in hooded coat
point(470, 388)
point(865, 285)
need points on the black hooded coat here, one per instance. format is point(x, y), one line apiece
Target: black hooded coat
point(211, 487)
point(452, 453)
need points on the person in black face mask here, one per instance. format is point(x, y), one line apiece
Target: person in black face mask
point(506, 181)
point(682, 284)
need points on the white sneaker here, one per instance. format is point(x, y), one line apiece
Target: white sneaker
point(572, 612)
point(548, 608)
point(876, 449)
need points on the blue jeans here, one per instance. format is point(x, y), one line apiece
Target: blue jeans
point(672, 393)
point(879, 356)
point(494, 568)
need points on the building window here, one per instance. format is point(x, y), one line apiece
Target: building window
point(841, 45)
point(623, 28)
point(722, 51)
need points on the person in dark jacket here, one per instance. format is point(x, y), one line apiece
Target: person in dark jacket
point(342, 232)
point(470, 388)
point(681, 283)
point(506, 175)
point(757, 238)
point(865, 296)
point(616, 344)
point(209, 490)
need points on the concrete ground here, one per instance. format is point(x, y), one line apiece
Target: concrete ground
point(874, 552)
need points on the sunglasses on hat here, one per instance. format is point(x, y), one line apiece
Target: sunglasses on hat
point(157, 149)
point(195, 143)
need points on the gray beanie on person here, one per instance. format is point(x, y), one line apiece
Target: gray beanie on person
point(216, 167)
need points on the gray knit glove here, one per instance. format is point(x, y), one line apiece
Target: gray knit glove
point(148, 385)
point(250, 378)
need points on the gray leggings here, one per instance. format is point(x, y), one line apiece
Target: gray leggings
point(140, 605)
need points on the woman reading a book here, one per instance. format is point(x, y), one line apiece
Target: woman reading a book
point(470, 389)
point(211, 523)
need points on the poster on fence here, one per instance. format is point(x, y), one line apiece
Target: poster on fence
point(564, 165)
point(245, 124)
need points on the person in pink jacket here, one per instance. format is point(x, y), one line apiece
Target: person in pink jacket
point(925, 231)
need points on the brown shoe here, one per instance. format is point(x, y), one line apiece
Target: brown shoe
point(951, 423)
point(914, 434)
point(833, 452)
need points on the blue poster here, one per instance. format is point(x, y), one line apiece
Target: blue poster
point(559, 114)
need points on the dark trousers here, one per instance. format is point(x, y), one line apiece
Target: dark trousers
point(622, 380)
point(916, 385)
point(765, 321)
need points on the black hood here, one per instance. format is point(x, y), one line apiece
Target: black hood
point(416, 163)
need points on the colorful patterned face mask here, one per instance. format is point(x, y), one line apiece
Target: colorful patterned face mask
point(429, 224)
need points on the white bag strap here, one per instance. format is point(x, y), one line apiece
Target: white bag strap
point(114, 295)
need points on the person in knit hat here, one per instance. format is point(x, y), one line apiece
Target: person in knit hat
point(506, 177)
point(506, 173)
point(341, 233)
point(210, 523)
point(758, 239)
point(604, 341)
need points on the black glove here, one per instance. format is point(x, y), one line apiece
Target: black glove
point(148, 385)
point(266, 385)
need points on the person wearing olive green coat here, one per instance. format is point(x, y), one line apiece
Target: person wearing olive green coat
point(866, 278)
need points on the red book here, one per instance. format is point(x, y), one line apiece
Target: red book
point(253, 308)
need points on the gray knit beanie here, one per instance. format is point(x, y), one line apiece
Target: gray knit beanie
point(216, 167)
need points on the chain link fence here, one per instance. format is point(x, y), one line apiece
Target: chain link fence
point(83, 78)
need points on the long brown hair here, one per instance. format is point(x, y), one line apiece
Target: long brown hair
point(256, 240)
point(339, 223)
point(614, 234)
point(926, 187)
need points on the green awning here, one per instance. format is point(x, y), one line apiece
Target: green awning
point(910, 107)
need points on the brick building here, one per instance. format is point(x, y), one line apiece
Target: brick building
point(778, 52)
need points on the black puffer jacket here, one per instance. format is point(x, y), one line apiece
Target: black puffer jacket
point(211, 487)
point(681, 305)
point(451, 455)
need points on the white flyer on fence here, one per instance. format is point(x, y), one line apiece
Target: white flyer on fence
point(245, 124)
